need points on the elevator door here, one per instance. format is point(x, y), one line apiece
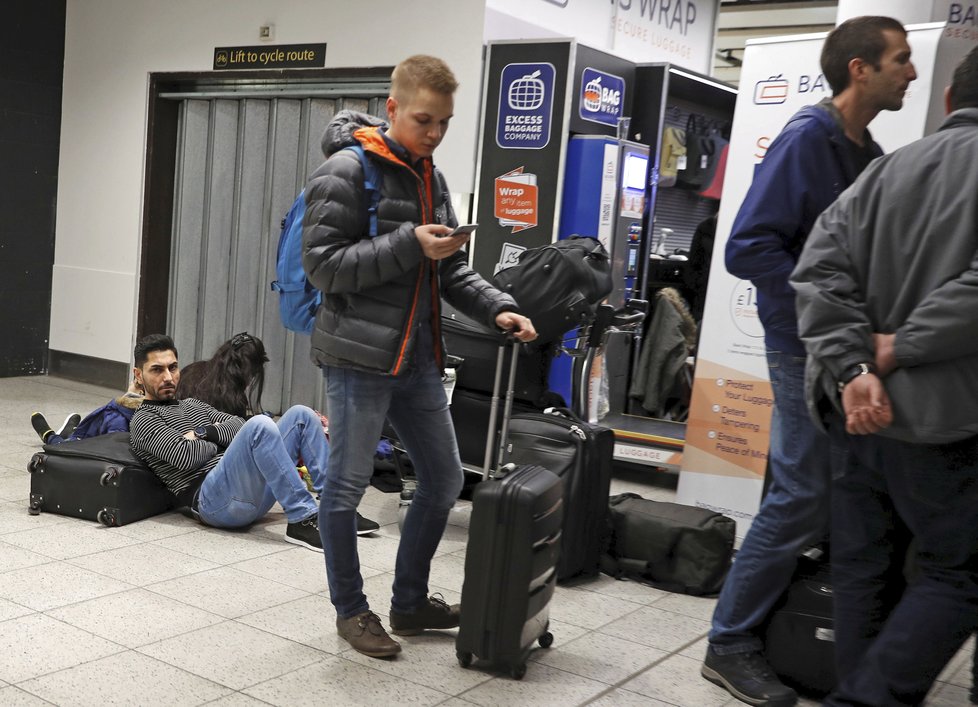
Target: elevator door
point(240, 164)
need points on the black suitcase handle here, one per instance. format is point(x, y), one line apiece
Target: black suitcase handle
point(494, 404)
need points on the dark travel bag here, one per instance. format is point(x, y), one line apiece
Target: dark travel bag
point(581, 454)
point(510, 560)
point(477, 345)
point(98, 479)
point(799, 636)
point(671, 546)
point(470, 415)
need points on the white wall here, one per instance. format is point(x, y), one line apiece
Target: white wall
point(110, 48)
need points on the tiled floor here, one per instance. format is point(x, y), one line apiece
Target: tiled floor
point(168, 612)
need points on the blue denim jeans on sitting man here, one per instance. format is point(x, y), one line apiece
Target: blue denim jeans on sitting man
point(794, 513)
point(259, 468)
point(890, 649)
point(416, 405)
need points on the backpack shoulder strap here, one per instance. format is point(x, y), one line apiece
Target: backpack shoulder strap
point(372, 181)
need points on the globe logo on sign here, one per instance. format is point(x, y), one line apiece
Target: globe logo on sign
point(527, 92)
point(592, 95)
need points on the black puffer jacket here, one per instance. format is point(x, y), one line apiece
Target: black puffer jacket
point(372, 286)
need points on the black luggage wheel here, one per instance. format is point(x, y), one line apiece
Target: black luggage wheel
point(34, 507)
point(36, 463)
point(106, 517)
point(518, 671)
point(546, 640)
point(464, 659)
point(109, 476)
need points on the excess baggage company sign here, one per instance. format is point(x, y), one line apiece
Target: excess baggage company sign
point(526, 93)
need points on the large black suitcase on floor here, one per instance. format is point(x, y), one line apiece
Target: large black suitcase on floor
point(800, 633)
point(581, 454)
point(97, 478)
point(510, 560)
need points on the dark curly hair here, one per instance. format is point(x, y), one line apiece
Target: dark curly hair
point(231, 380)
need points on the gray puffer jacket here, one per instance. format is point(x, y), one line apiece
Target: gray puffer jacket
point(372, 287)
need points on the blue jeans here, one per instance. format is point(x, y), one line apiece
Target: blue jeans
point(259, 468)
point(417, 407)
point(890, 649)
point(794, 513)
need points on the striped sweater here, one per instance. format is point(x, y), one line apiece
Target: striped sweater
point(156, 436)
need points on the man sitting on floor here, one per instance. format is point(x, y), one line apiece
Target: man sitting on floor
point(228, 471)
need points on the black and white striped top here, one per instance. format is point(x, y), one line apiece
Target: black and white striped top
point(156, 435)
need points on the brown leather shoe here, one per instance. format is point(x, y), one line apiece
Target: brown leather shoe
point(366, 634)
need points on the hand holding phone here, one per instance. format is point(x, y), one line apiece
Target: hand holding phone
point(462, 230)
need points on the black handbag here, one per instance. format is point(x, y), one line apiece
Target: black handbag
point(701, 153)
point(668, 545)
point(558, 285)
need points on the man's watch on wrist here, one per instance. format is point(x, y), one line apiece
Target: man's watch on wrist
point(201, 432)
point(853, 372)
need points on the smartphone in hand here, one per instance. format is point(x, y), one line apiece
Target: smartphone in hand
point(462, 230)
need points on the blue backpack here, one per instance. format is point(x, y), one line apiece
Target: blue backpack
point(298, 299)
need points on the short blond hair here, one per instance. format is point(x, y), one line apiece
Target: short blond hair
point(420, 71)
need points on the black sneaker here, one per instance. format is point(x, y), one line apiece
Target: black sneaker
point(41, 426)
point(69, 425)
point(435, 614)
point(365, 526)
point(748, 677)
point(305, 533)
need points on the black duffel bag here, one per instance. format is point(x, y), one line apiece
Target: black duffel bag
point(668, 545)
point(558, 285)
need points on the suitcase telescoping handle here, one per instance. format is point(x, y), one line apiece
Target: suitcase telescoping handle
point(494, 404)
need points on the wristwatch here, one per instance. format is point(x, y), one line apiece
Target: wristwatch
point(860, 369)
point(201, 432)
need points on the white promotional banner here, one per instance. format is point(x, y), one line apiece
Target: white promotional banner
point(727, 432)
point(908, 11)
point(676, 31)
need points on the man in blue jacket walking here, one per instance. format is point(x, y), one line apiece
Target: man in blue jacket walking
point(818, 154)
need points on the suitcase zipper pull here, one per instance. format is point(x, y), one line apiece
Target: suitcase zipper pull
point(575, 430)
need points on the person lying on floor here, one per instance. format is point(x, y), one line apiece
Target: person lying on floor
point(114, 416)
point(229, 472)
point(232, 381)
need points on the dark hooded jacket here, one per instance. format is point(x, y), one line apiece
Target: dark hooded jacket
point(805, 169)
point(377, 290)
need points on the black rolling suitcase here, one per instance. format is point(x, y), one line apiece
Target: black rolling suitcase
point(581, 454)
point(800, 633)
point(510, 562)
point(98, 478)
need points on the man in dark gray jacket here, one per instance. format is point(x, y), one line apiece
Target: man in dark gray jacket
point(887, 291)
point(378, 339)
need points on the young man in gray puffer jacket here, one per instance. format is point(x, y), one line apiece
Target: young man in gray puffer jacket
point(378, 339)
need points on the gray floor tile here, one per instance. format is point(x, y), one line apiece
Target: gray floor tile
point(135, 618)
point(378, 553)
point(237, 699)
point(15, 697)
point(54, 584)
point(35, 645)
point(227, 592)
point(695, 607)
point(945, 695)
point(677, 681)
point(448, 571)
point(542, 686)
point(224, 547)
point(297, 567)
point(658, 628)
point(310, 621)
point(588, 609)
point(142, 564)
point(337, 681)
point(233, 655)
point(625, 698)
point(145, 680)
point(600, 657)
point(73, 538)
point(16, 488)
point(10, 610)
point(623, 589)
point(428, 659)
point(14, 517)
point(15, 558)
point(161, 526)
